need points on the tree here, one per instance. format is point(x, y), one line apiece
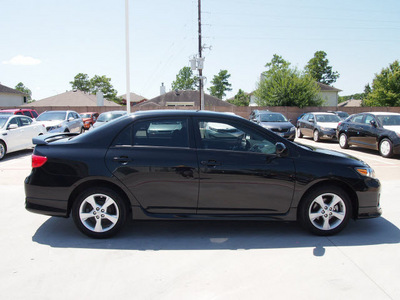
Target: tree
point(185, 80)
point(284, 86)
point(103, 84)
point(318, 67)
point(22, 88)
point(81, 82)
point(385, 90)
point(220, 84)
point(241, 99)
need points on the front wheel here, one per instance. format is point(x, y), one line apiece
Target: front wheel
point(386, 148)
point(299, 134)
point(325, 211)
point(316, 136)
point(99, 212)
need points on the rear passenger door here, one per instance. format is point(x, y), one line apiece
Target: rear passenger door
point(156, 160)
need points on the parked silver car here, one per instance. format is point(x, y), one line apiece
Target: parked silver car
point(108, 116)
point(61, 121)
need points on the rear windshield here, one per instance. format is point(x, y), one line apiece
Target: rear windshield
point(327, 118)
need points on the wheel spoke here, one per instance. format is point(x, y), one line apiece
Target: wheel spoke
point(316, 215)
point(338, 215)
point(320, 201)
point(91, 201)
point(98, 227)
point(112, 218)
point(85, 216)
point(335, 200)
point(327, 225)
point(107, 203)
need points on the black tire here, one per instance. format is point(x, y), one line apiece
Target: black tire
point(3, 150)
point(299, 134)
point(343, 142)
point(386, 148)
point(325, 210)
point(316, 135)
point(99, 212)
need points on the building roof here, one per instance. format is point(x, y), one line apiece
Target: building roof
point(184, 98)
point(327, 88)
point(133, 97)
point(6, 90)
point(351, 103)
point(71, 98)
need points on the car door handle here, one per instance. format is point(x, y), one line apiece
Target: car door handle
point(122, 159)
point(210, 163)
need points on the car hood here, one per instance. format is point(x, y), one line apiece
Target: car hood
point(393, 128)
point(280, 125)
point(321, 151)
point(332, 125)
point(50, 123)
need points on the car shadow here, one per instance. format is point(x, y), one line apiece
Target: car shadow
point(216, 235)
point(17, 154)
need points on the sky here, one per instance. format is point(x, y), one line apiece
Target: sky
point(45, 43)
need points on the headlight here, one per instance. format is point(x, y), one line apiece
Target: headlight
point(366, 171)
point(293, 129)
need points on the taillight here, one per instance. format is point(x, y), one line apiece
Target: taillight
point(38, 161)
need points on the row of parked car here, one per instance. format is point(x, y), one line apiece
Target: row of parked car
point(373, 130)
point(19, 126)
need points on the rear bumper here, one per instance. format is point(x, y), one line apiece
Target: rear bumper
point(47, 207)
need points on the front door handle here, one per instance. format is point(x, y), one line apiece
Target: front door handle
point(210, 163)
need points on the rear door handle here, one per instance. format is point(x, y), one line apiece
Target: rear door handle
point(210, 163)
point(122, 159)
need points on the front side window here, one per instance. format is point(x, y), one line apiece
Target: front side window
point(25, 121)
point(368, 119)
point(159, 133)
point(218, 135)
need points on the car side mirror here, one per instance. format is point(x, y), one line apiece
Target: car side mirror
point(280, 149)
point(373, 123)
point(71, 119)
point(12, 126)
point(311, 120)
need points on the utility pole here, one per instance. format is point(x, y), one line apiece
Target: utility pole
point(128, 89)
point(200, 59)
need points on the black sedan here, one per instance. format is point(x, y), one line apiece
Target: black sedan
point(375, 130)
point(194, 165)
point(318, 125)
point(277, 123)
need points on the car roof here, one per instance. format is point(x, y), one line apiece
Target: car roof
point(380, 113)
point(321, 113)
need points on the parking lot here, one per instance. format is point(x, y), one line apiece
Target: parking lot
point(47, 258)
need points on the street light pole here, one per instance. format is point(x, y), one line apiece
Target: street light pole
point(201, 88)
point(128, 89)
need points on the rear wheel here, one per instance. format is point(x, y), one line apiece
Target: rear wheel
point(386, 148)
point(343, 141)
point(99, 212)
point(325, 211)
point(3, 150)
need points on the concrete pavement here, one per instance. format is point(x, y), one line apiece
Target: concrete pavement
point(47, 258)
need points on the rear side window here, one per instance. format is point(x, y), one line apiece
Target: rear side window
point(159, 133)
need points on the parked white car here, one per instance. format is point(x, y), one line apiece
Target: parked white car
point(16, 133)
point(61, 121)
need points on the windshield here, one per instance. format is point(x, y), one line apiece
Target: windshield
point(3, 121)
point(109, 116)
point(52, 116)
point(85, 115)
point(389, 120)
point(273, 118)
point(327, 118)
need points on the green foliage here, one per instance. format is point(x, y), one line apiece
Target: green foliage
point(385, 89)
point(103, 84)
point(318, 67)
point(22, 88)
point(83, 83)
point(285, 86)
point(220, 84)
point(185, 80)
point(241, 99)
